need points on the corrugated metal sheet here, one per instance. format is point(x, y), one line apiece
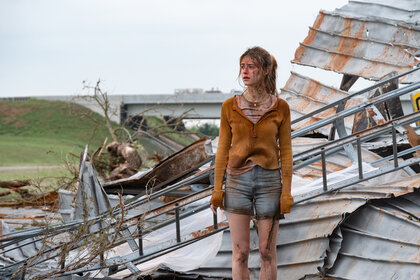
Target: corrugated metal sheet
point(368, 40)
point(407, 11)
point(374, 29)
point(305, 243)
point(381, 241)
point(312, 89)
point(365, 39)
point(369, 230)
point(336, 162)
point(307, 237)
point(308, 242)
point(307, 95)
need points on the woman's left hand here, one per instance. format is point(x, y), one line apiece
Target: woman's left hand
point(286, 202)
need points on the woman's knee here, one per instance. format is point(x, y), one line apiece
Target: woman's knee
point(266, 254)
point(240, 254)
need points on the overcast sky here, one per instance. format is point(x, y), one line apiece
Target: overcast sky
point(48, 47)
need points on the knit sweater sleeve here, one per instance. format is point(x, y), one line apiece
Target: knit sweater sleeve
point(286, 156)
point(222, 154)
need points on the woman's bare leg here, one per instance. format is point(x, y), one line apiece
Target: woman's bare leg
point(239, 232)
point(267, 233)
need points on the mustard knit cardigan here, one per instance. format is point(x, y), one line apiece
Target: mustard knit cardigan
point(264, 143)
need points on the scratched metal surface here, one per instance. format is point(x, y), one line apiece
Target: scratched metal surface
point(336, 162)
point(367, 39)
point(306, 243)
point(381, 241)
point(370, 40)
point(330, 234)
point(407, 11)
point(304, 94)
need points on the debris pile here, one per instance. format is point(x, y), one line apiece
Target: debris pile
point(127, 157)
point(355, 207)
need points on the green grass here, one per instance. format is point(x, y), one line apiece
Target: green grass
point(47, 133)
point(39, 132)
point(35, 173)
point(52, 119)
point(45, 178)
point(42, 180)
point(30, 151)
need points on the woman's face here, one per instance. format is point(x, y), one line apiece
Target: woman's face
point(250, 72)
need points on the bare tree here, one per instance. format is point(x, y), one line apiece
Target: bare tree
point(100, 97)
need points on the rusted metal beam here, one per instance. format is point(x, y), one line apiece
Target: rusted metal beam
point(353, 110)
point(312, 155)
point(348, 81)
point(172, 168)
point(389, 110)
point(345, 99)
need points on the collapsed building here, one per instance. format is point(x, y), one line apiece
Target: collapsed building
point(355, 184)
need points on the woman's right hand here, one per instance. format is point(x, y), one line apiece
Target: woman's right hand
point(213, 209)
point(216, 200)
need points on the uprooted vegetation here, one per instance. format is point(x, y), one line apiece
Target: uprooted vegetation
point(52, 134)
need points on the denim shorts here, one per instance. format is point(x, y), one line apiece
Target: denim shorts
point(255, 193)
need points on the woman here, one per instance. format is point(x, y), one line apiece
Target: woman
point(254, 135)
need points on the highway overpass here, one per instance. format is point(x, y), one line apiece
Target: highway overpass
point(188, 105)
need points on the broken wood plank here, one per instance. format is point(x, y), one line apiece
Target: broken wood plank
point(179, 163)
point(14, 184)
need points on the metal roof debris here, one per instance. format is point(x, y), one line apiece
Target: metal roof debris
point(380, 237)
point(356, 214)
point(305, 237)
point(365, 39)
point(305, 243)
point(307, 95)
point(175, 166)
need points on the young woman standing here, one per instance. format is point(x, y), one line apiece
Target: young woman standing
point(254, 135)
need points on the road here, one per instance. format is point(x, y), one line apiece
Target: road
point(6, 168)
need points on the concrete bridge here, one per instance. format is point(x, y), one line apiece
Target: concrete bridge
point(187, 105)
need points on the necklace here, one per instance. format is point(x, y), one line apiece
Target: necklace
point(254, 102)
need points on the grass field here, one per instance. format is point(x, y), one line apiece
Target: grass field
point(48, 133)
point(35, 173)
point(45, 133)
point(41, 179)
point(34, 151)
point(62, 121)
